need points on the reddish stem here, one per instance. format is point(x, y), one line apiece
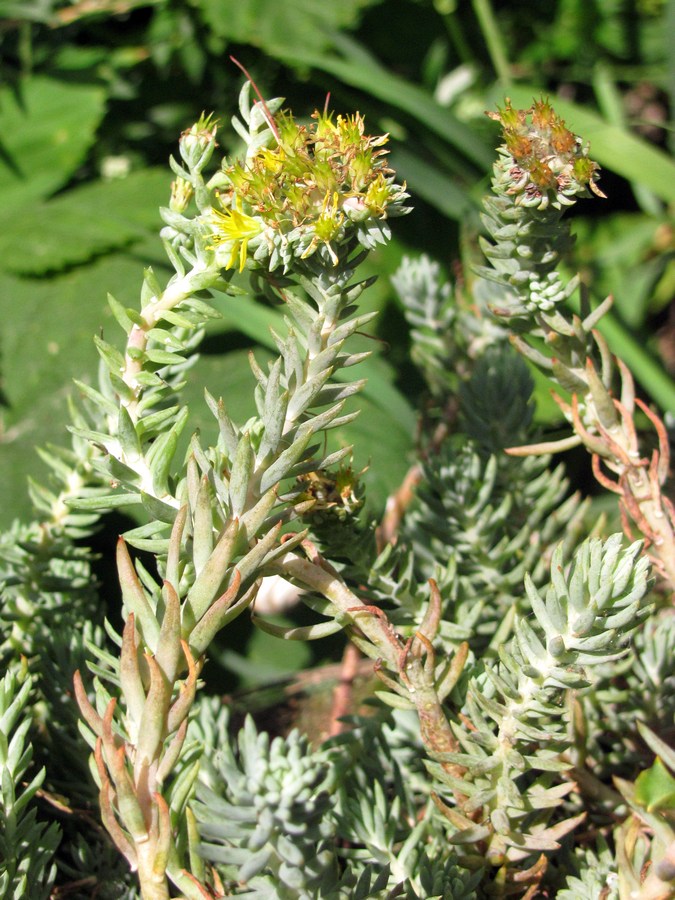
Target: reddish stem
point(268, 114)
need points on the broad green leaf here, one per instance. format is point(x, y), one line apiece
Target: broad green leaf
point(25, 10)
point(82, 223)
point(622, 252)
point(46, 128)
point(655, 788)
point(275, 26)
point(612, 146)
point(46, 342)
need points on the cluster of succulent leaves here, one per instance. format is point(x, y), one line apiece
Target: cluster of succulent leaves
point(94, 96)
point(370, 813)
point(51, 615)
point(363, 792)
point(271, 815)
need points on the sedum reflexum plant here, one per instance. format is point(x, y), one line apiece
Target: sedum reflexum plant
point(543, 168)
point(509, 639)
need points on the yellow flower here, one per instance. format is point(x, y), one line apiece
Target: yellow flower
point(235, 227)
point(378, 196)
point(271, 160)
point(327, 226)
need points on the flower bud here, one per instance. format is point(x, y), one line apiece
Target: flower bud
point(181, 194)
point(198, 143)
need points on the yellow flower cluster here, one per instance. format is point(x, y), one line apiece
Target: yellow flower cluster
point(315, 189)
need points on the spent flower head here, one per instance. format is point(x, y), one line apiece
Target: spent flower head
point(546, 162)
point(339, 492)
point(316, 190)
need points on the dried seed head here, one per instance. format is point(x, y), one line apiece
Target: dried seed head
point(552, 158)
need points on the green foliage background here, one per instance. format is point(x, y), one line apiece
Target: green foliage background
point(95, 94)
point(93, 97)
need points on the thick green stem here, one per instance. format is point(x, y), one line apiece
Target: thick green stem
point(350, 607)
point(154, 885)
point(493, 39)
point(137, 342)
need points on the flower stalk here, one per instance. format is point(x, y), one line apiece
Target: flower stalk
point(416, 683)
point(216, 524)
point(541, 170)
